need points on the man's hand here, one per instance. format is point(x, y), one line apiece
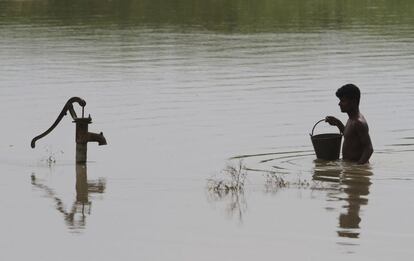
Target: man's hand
point(335, 122)
point(332, 120)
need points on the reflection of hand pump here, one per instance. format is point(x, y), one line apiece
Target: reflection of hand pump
point(82, 134)
point(75, 217)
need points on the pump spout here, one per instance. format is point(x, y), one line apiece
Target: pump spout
point(95, 137)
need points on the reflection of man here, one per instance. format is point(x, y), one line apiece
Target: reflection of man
point(357, 144)
point(354, 181)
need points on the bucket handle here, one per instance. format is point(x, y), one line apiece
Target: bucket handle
point(317, 124)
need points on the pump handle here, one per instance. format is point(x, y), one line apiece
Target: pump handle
point(68, 107)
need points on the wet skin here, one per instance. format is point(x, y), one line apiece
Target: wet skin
point(357, 146)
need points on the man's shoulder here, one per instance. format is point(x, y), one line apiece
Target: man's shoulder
point(360, 123)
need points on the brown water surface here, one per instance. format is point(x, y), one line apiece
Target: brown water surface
point(183, 88)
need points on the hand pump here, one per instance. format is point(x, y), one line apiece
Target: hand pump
point(83, 136)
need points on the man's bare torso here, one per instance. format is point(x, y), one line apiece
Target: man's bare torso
point(353, 147)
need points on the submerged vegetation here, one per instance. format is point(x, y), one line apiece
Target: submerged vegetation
point(233, 179)
point(229, 188)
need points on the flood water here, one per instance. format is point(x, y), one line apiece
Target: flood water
point(183, 89)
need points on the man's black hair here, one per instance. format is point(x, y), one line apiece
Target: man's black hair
point(349, 91)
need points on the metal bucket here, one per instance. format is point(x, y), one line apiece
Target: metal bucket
point(327, 146)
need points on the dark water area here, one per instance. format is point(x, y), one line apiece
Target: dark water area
point(192, 94)
point(229, 16)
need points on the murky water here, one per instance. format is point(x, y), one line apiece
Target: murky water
point(181, 89)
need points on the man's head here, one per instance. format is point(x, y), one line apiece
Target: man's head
point(349, 96)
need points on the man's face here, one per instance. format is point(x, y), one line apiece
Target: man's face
point(345, 104)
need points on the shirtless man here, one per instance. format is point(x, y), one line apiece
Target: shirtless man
point(357, 146)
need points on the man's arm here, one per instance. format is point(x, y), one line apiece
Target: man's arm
point(335, 122)
point(365, 139)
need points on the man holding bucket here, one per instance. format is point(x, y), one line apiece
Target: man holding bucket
point(357, 146)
